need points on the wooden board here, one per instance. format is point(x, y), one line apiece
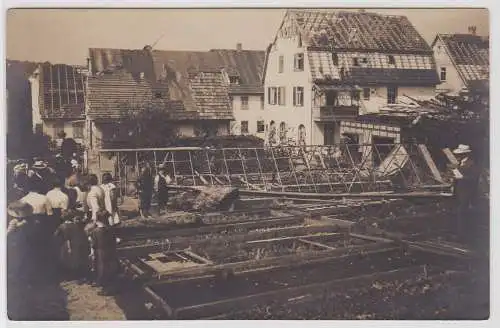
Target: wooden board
point(430, 163)
point(453, 160)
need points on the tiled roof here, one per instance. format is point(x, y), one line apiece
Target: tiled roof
point(402, 77)
point(373, 68)
point(362, 31)
point(469, 53)
point(198, 79)
point(62, 91)
point(134, 61)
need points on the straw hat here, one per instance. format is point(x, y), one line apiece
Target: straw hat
point(462, 149)
point(19, 210)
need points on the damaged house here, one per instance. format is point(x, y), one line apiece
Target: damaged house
point(326, 69)
point(462, 61)
point(192, 91)
point(58, 100)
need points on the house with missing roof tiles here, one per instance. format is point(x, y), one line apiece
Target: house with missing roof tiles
point(58, 100)
point(325, 69)
point(199, 90)
point(462, 62)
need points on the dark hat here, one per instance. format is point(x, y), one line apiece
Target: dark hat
point(19, 209)
point(61, 134)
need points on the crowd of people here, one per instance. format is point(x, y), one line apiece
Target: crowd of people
point(63, 221)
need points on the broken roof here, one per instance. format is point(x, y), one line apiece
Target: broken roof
point(340, 30)
point(469, 53)
point(62, 91)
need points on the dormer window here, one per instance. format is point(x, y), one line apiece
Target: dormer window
point(355, 61)
point(364, 60)
point(234, 80)
point(158, 95)
point(392, 61)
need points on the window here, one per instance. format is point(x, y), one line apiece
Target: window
point(78, 130)
point(158, 95)
point(298, 64)
point(391, 60)
point(281, 96)
point(302, 135)
point(364, 60)
point(58, 128)
point(392, 94)
point(281, 64)
point(234, 80)
point(244, 127)
point(298, 96)
point(282, 132)
point(335, 59)
point(443, 74)
point(355, 62)
point(366, 93)
point(244, 102)
point(272, 96)
point(261, 102)
point(260, 126)
point(299, 43)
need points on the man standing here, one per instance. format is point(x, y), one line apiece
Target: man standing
point(68, 146)
point(466, 185)
point(162, 180)
point(59, 201)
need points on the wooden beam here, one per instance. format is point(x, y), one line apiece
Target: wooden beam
point(453, 160)
point(286, 261)
point(430, 163)
point(305, 195)
point(284, 295)
point(313, 243)
point(160, 302)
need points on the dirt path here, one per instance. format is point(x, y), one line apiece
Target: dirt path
point(84, 303)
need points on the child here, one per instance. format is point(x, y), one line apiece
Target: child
point(104, 251)
point(74, 245)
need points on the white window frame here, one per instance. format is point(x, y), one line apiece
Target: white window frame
point(263, 126)
point(441, 72)
point(244, 102)
point(244, 132)
point(297, 60)
point(298, 96)
point(272, 95)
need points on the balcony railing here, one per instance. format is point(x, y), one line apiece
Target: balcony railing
point(336, 113)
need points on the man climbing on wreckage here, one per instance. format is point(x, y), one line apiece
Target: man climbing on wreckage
point(466, 189)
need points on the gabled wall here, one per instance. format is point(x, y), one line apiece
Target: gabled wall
point(292, 115)
point(453, 80)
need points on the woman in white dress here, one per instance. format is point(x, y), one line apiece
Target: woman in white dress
point(110, 198)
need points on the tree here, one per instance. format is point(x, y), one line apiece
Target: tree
point(147, 126)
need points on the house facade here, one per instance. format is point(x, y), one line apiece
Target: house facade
point(462, 61)
point(58, 100)
point(325, 69)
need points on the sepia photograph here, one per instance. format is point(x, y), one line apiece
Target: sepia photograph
point(247, 164)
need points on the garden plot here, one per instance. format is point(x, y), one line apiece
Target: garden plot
point(216, 295)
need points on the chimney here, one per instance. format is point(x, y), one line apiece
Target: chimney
point(89, 66)
point(239, 47)
point(472, 30)
point(142, 75)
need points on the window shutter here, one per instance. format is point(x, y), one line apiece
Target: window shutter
point(294, 96)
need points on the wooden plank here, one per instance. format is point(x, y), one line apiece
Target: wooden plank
point(198, 257)
point(313, 243)
point(453, 160)
point(292, 260)
point(336, 234)
point(284, 295)
point(430, 163)
point(370, 238)
point(160, 302)
point(387, 194)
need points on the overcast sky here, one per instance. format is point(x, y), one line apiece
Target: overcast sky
point(64, 35)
